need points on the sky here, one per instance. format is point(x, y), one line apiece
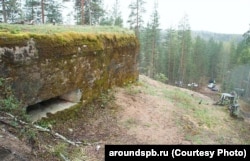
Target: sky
point(220, 16)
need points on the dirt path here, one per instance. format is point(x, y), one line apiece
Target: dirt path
point(149, 118)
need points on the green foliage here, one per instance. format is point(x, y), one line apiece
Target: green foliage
point(63, 151)
point(31, 10)
point(185, 58)
point(29, 133)
point(16, 31)
point(106, 98)
point(46, 123)
point(9, 103)
point(60, 148)
point(246, 36)
point(150, 45)
point(131, 90)
point(151, 90)
point(92, 12)
point(184, 100)
point(161, 77)
point(182, 58)
point(204, 117)
point(11, 10)
point(1, 82)
point(113, 17)
point(243, 53)
point(53, 9)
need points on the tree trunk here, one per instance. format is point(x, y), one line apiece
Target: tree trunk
point(90, 15)
point(170, 66)
point(182, 61)
point(153, 57)
point(137, 19)
point(42, 7)
point(82, 12)
point(4, 12)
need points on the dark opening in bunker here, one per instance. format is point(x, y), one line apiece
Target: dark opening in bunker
point(53, 105)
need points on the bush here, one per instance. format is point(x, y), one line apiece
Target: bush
point(9, 103)
point(161, 77)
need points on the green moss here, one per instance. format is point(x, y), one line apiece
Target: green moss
point(10, 40)
point(69, 43)
point(58, 36)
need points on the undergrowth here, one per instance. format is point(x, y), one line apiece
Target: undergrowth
point(9, 103)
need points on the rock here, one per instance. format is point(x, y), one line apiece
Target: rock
point(12, 149)
point(70, 130)
point(4, 153)
point(98, 147)
point(73, 96)
point(8, 155)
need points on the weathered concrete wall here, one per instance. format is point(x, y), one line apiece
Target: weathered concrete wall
point(40, 67)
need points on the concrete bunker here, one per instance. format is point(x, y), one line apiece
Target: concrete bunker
point(59, 103)
point(65, 62)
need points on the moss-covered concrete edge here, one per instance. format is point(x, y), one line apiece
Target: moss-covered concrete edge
point(43, 66)
point(69, 42)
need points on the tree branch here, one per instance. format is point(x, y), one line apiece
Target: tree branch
point(10, 116)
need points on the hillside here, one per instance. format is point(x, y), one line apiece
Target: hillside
point(206, 35)
point(147, 112)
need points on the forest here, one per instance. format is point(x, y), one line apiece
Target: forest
point(176, 54)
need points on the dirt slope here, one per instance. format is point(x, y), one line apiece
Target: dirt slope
point(146, 115)
point(147, 112)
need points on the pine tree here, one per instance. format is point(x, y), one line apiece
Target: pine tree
point(3, 14)
point(198, 63)
point(42, 10)
point(246, 36)
point(233, 59)
point(82, 12)
point(53, 12)
point(113, 18)
point(243, 50)
point(11, 10)
point(117, 18)
point(154, 30)
point(88, 11)
point(135, 18)
point(93, 12)
point(149, 39)
point(224, 63)
point(78, 9)
point(107, 20)
point(171, 52)
point(184, 36)
point(32, 10)
point(145, 50)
